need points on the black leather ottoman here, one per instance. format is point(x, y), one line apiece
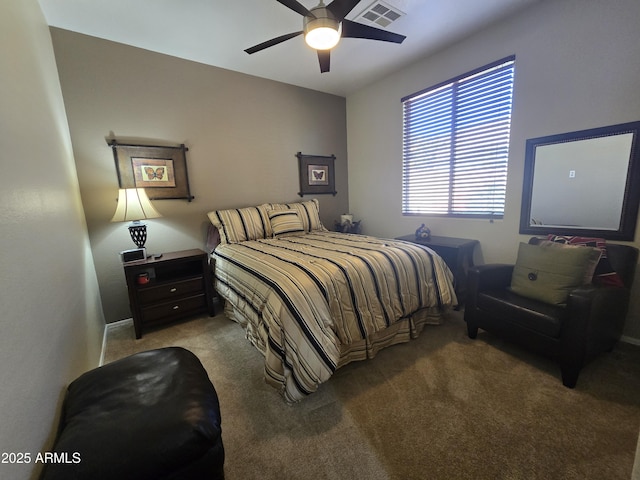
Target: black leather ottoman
point(151, 416)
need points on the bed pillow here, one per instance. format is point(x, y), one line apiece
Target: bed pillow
point(285, 223)
point(604, 273)
point(267, 207)
point(308, 211)
point(588, 274)
point(240, 224)
point(549, 272)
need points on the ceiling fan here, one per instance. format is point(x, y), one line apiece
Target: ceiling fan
point(324, 25)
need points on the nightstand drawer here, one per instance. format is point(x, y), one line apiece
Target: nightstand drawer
point(175, 309)
point(170, 290)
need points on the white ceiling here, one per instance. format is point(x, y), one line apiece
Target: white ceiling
point(216, 32)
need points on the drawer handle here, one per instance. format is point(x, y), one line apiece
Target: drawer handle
point(173, 290)
point(176, 307)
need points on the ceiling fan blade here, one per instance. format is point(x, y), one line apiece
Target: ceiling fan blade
point(341, 8)
point(296, 7)
point(272, 42)
point(324, 57)
point(358, 30)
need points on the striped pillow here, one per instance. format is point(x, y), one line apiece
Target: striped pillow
point(285, 223)
point(240, 224)
point(309, 213)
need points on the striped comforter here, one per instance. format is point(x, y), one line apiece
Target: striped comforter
point(315, 302)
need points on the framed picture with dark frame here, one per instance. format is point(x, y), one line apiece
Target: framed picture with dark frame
point(161, 171)
point(317, 174)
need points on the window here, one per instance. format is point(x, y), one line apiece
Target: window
point(456, 144)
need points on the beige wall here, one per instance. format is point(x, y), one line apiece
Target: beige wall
point(51, 320)
point(242, 133)
point(577, 67)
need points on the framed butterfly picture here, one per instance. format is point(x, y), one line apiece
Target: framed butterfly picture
point(160, 170)
point(153, 172)
point(317, 174)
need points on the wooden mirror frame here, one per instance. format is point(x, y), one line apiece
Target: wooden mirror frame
point(631, 200)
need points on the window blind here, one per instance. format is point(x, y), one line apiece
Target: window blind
point(456, 144)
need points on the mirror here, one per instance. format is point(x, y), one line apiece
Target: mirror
point(583, 183)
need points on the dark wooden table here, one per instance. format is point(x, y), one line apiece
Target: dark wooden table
point(457, 254)
point(175, 285)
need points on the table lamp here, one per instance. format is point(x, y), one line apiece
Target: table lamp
point(134, 206)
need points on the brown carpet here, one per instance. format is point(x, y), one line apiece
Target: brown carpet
point(439, 407)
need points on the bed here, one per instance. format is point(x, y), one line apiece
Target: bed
point(312, 300)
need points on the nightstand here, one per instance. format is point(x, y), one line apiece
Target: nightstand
point(176, 285)
point(457, 254)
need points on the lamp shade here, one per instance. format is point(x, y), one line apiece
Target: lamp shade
point(133, 204)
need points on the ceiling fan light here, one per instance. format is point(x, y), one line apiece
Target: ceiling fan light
point(321, 31)
point(322, 38)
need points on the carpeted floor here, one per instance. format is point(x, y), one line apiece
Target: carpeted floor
point(439, 407)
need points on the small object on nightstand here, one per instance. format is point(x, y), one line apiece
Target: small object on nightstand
point(347, 225)
point(346, 218)
point(423, 233)
point(157, 256)
point(133, 255)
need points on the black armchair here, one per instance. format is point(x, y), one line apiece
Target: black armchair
point(590, 323)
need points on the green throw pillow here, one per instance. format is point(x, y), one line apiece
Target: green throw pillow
point(548, 273)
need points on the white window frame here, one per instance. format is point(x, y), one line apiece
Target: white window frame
point(456, 144)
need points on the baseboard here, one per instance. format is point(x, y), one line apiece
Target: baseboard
point(631, 340)
point(107, 327)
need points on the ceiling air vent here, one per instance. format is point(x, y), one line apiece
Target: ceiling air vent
point(380, 13)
